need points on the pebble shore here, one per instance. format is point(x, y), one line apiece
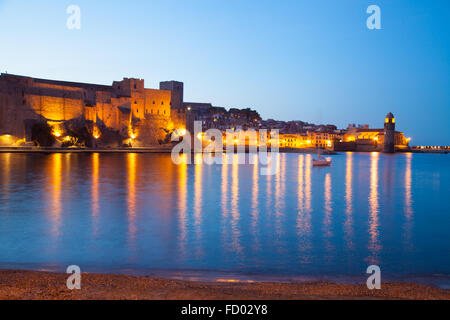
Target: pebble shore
point(34, 285)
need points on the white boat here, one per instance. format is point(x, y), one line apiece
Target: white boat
point(321, 161)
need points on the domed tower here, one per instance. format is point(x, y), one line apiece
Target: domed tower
point(389, 133)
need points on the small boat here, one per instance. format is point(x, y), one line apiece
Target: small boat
point(321, 161)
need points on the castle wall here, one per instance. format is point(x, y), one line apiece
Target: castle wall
point(125, 103)
point(178, 117)
point(11, 121)
point(55, 108)
point(157, 103)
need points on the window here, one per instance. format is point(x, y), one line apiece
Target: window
point(162, 103)
point(135, 86)
point(153, 101)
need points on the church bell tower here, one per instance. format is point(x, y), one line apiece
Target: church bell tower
point(389, 134)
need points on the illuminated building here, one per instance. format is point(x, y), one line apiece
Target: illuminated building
point(363, 138)
point(25, 101)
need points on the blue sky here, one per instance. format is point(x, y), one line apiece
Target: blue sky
point(314, 61)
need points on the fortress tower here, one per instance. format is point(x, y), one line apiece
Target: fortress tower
point(389, 133)
point(177, 110)
point(176, 89)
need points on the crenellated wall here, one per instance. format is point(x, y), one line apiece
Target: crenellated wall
point(117, 107)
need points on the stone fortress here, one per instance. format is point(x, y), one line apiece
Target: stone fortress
point(126, 107)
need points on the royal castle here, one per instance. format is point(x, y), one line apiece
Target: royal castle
point(126, 108)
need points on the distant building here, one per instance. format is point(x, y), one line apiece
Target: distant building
point(362, 138)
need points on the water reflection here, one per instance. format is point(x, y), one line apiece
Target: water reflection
point(142, 213)
point(328, 214)
point(303, 216)
point(255, 203)
point(6, 172)
point(224, 201)
point(408, 203)
point(55, 183)
point(198, 189)
point(95, 192)
point(279, 195)
point(348, 226)
point(374, 243)
point(131, 199)
point(235, 204)
point(308, 183)
point(301, 183)
point(182, 204)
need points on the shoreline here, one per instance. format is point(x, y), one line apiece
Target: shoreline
point(39, 285)
point(168, 149)
point(133, 150)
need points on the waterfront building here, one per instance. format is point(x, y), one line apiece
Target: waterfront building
point(363, 138)
point(126, 107)
point(294, 140)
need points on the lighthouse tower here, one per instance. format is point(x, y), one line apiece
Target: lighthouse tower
point(389, 133)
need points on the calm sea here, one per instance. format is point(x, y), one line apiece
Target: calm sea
point(142, 214)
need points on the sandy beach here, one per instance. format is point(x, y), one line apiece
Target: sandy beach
point(33, 285)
